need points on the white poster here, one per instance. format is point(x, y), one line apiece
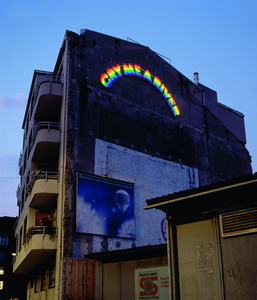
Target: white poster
point(152, 283)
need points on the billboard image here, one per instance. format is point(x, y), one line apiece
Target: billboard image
point(105, 206)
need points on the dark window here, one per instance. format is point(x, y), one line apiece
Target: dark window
point(20, 239)
point(52, 270)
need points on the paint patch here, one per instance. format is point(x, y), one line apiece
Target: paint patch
point(204, 259)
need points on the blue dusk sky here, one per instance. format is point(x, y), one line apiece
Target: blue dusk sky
point(216, 38)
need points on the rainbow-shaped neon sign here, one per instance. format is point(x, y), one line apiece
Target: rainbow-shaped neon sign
point(116, 72)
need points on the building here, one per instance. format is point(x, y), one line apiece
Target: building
point(212, 240)
point(12, 286)
point(112, 125)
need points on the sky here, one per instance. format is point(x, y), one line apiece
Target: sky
point(216, 38)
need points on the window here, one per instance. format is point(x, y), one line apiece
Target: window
point(1, 270)
point(20, 239)
point(37, 282)
point(43, 280)
point(16, 244)
point(25, 228)
point(4, 240)
point(52, 274)
point(40, 217)
point(32, 281)
point(1, 285)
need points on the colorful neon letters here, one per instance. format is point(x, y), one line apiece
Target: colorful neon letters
point(116, 72)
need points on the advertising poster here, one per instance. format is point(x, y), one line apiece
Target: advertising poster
point(152, 283)
point(105, 206)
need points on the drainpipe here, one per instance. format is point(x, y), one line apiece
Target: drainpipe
point(63, 163)
point(174, 292)
point(171, 289)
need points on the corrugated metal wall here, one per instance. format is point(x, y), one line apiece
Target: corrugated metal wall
point(79, 279)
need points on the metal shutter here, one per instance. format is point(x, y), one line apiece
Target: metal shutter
point(239, 222)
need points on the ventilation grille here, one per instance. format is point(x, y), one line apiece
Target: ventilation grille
point(239, 222)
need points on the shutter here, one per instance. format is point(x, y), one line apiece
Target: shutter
point(239, 222)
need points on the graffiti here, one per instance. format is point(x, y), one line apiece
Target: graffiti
point(163, 229)
point(243, 276)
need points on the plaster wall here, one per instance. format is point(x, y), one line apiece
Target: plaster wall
point(151, 176)
point(240, 266)
point(198, 255)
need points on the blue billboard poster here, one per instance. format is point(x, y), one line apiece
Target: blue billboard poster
point(105, 206)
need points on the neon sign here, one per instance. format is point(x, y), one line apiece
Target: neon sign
point(114, 73)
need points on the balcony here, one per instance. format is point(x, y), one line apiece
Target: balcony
point(43, 189)
point(21, 164)
point(18, 190)
point(39, 244)
point(45, 142)
point(47, 98)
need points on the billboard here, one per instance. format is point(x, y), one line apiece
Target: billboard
point(152, 283)
point(105, 206)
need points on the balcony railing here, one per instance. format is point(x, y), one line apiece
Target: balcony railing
point(18, 190)
point(42, 79)
point(44, 125)
point(20, 159)
point(38, 174)
point(50, 230)
point(39, 243)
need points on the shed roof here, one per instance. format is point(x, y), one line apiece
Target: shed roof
point(227, 195)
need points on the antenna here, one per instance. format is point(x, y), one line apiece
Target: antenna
point(132, 41)
point(168, 59)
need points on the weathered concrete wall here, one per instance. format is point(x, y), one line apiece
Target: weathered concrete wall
point(151, 177)
point(133, 115)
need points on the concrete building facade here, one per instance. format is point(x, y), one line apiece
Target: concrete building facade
point(112, 125)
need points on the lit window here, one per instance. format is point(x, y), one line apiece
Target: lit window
point(1, 270)
point(1, 285)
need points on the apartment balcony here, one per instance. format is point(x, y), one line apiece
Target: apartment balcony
point(21, 164)
point(40, 242)
point(47, 98)
point(45, 142)
point(18, 190)
point(43, 189)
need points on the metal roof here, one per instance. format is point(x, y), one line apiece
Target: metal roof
point(223, 195)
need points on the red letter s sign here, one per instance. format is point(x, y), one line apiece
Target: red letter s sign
point(150, 288)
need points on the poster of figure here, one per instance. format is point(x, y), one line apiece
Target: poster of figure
point(105, 206)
